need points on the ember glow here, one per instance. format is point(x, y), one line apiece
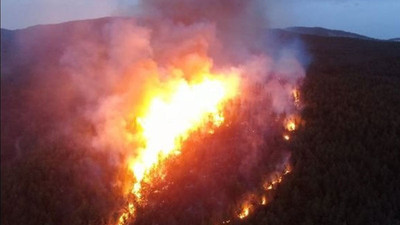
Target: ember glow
point(286, 137)
point(296, 96)
point(264, 200)
point(290, 125)
point(268, 187)
point(245, 211)
point(288, 169)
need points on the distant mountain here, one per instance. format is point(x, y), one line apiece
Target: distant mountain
point(23, 49)
point(319, 31)
point(5, 33)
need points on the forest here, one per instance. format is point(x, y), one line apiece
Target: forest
point(345, 157)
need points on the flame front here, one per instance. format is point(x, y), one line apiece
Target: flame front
point(296, 96)
point(291, 125)
point(245, 211)
point(264, 200)
point(170, 118)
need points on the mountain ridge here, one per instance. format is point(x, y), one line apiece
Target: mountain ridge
point(301, 30)
point(325, 32)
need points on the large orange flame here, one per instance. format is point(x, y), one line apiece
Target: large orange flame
point(170, 118)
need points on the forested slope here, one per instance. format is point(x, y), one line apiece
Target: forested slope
point(347, 156)
point(346, 162)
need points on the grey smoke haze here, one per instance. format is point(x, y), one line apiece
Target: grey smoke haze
point(111, 66)
point(103, 70)
point(375, 18)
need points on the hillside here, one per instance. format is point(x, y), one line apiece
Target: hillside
point(346, 167)
point(394, 39)
point(319, 31)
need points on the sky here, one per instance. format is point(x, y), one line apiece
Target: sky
point(373, 18)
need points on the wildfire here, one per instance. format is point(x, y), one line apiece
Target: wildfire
point(290, 125)
point(296, 96)
point(169, 119)
point(286, 137)
point(268, 186)
point(245, 211)
point(263, 200)
point(288, 169)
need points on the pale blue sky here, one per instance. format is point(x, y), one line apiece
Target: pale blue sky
point(374, 18)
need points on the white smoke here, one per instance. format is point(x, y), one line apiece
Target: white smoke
point(114, 67)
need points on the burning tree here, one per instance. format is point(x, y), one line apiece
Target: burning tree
point(190, 108)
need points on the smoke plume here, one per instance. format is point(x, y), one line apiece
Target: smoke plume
point(108, 69)
point(180, 39)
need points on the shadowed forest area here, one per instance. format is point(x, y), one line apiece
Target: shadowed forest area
point(346, 156)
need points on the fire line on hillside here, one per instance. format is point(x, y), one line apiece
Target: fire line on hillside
point(193, 108)
point(168, 122)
